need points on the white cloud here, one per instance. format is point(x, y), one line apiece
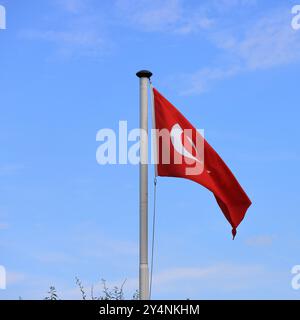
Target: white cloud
point(195, 22)
point(163, 16)
point(260, 241)
point(175, 16)
point(4, 226)
point(70, 42)
point(270, 42)
point(214, 274)
point(182, 282)
point(197, 82)
point(267, 43)
point(10, 169)
point(15, 277)
point(155, 15)
point(74, 30)
point(72, 6)
point(55, 257)
point(230, 4)
point(105, 246)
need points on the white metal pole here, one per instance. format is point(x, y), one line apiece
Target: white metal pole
point(144, 76)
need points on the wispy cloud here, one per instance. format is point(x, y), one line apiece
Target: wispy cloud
point(269, 42)
point(70, 42)
point(244, 43)
point(260, 241)
point(225, 271)
point(266, 43)
point(182, 281)
point(82, 25)
point(199, 81)
point(170, 16)
point(110, 246)
point(72, 6)
point(74, 30)
point(4, 225)
point(55, 258)
point(224, 5)
point(10, 169)
point(15, 277)
point(153, 15)
point(175, 16)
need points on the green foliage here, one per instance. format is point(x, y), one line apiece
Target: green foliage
point(81, 288)
point(52, 294)
point(115, 293)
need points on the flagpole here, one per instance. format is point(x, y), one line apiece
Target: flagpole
point(144, 76)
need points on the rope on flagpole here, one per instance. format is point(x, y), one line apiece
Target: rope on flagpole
point(153, 236)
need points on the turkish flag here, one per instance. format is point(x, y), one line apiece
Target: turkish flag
point(184, 153)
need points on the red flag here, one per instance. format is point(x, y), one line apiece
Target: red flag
point(191, 157)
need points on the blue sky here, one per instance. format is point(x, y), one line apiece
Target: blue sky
point(67, 69)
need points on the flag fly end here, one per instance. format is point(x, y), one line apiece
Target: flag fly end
point(233, 233)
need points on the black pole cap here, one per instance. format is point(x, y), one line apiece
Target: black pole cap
point(144, 74)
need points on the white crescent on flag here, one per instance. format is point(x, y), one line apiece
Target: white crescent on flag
point(175, 134)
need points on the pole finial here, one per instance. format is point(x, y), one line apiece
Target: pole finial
point(144, 74)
